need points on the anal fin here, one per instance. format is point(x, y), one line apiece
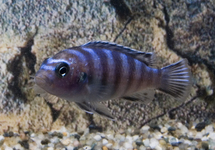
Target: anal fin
point(84, 107)
point(144, 96)
point(95, 107)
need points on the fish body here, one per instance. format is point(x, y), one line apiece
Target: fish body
point(99, 71)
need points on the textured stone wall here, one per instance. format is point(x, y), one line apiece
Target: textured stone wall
point(31, 31)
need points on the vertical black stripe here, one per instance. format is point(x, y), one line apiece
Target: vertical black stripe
point(150, 76)
point(131, 71)
point(104, 64)
point(89, 59)
point(117, 72)
point(142, 72)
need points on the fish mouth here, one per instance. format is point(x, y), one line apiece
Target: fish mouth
point(42, 81)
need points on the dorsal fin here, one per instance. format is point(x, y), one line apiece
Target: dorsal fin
point(146, 57)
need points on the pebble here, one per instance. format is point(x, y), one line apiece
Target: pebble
point(104, 142)
point(110, 137)
point(158, 135)
point(200, 126)
point(175, 136)
point(153, 143)
point(23, 136)
point(162, 143)
point(32, 135)
point(173, 141)
point(18, 147)
point(146, 142)
point(205, 138)
point(76, 143)
point(170, 129)
point(94, 128)
point(45, 141)
point(187, 142)
point(8, 134)
point(66, 142)
point(135, 137)
point(128, 139)
point(155, 127)
point(139, 142)
point(71, 148)
point(87, 148)
point(211, 144)
point(64, 133)
point(198, 136)
point(158, 147)
point(104, 148)
point(190, 135)
point(24, 144)
point(58, 134)
point(128, 145)
point(164, 129)
point(144, 129)
point(205, 145)
point(75, 148)
point(57, 145)
point(54, 140)
point(109, 145)
point(212, 136)
point(1, 140)
point(209, 129)
point(142, 147)
point(97, 137)
point(194, 143)
point(183, 128)
point(77, 136)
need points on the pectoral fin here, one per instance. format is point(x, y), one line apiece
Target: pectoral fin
point(95, 107)
point(144, 96)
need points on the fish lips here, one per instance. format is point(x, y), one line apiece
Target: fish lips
point(43, 81)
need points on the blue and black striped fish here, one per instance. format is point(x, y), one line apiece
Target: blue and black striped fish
point(99, 71)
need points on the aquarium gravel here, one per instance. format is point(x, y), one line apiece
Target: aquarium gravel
point(172, 135)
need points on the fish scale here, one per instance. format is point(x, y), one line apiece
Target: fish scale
point(99, 71)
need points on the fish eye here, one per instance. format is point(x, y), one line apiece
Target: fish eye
point(62, 69)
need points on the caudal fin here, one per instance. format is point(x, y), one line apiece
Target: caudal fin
point(176, 80)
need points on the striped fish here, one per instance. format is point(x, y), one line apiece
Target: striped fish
point(99, 71)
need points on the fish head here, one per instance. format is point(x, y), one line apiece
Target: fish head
point(65, 79)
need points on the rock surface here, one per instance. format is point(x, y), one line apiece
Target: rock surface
point(33, 31)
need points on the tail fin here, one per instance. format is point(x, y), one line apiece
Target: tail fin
point(176, 80)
